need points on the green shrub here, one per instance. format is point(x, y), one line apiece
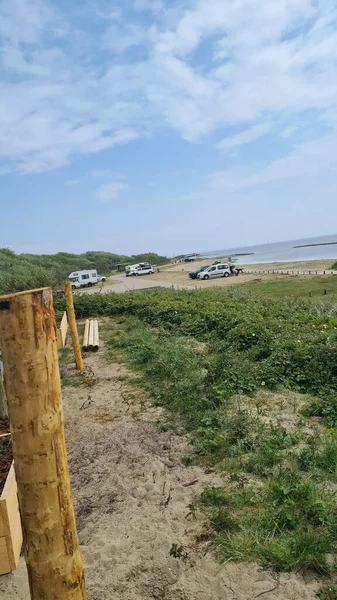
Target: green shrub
point(197, 354)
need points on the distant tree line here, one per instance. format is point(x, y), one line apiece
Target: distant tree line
point(20, 272)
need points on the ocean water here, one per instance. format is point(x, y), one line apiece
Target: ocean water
point(281, 251)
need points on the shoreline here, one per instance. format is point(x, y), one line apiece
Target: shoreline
point(320, 264)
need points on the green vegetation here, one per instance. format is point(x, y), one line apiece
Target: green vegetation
point(334, 266)
point(176, 551)
point(319, 287)
point(328, 592)
point(27, 271)
point(208, 357)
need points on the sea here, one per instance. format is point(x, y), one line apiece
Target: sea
point(282, 251)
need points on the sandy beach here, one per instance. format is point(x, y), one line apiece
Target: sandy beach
point(320, 264)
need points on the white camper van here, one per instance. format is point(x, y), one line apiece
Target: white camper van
point(84, 278)
point(139, 269)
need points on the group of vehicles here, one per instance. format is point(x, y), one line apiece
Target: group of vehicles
point(90, 277)
point(213, 271)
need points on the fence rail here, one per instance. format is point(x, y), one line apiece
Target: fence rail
point(289, 272)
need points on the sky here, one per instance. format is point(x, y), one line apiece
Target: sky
point(166, 125)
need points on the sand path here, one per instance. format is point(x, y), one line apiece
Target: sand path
point(130, 495)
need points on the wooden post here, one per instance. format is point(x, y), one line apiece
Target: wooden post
point(29, 347)
point(86, 336)
point(95, 336)
point(91, 335)
point(68, 292)
point(3, 399)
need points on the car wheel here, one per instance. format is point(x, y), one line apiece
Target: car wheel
point(206, 277)
point(73, 287)
point(136, 274)
point(226, 275)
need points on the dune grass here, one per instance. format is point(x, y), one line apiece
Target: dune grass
point(278, 503)
point(318, 287)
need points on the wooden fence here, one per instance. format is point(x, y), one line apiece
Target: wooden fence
point(62, 332)
point(289, 272)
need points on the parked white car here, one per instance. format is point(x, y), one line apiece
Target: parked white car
point(214, 271)
point(139, 269)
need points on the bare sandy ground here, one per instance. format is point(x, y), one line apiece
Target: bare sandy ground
point(181, 279)
point(131, 493)
point(177, 276)
point(121, 283)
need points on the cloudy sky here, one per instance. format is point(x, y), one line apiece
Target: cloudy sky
point(166, 125)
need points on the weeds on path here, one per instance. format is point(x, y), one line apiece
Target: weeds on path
point(278, 504)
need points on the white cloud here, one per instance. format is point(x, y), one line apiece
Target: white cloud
point(65, 91)
point(22, 21)
point(245, 137)
point(306, 161)
point(119, 37)
point(109, 191)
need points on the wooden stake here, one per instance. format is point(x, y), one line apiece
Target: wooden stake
point(68, 292)
point(86, 336)
point(95, 337)
point(29, 347)
point(91, 335)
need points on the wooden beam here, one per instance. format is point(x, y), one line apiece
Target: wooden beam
point(91, 335)
point(86, 336)
point(68, 292)
point(95, 337)
point(30, 356)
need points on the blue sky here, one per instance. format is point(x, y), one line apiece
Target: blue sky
point(170, 126)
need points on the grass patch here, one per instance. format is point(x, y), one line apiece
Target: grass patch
point(66, 356)
point(328, 591)
point(276, 507)
point(297, 287)
point(203, 355)
point(72, 377)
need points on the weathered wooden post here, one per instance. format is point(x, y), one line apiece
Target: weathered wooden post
point(28, 342)
point(3, 399)
point(68, 292)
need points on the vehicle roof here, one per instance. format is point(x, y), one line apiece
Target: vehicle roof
point(219, 265)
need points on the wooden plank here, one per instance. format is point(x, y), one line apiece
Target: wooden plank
point(2, 524)
point(16, 541)
point(62, 332)
point(8, 502)
point(10, 497)
point(10, 524)
point(5, 566)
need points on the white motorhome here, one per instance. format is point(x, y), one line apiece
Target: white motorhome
point(139, 269)
point(84, 278)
